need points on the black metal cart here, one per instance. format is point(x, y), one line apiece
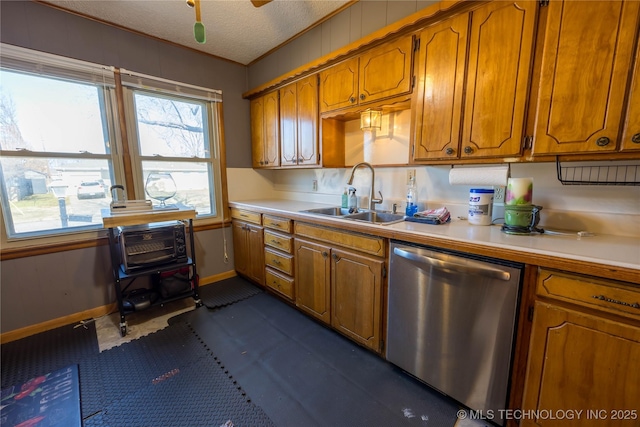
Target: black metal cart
point(120, 276)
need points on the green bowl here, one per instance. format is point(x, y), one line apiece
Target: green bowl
point(522, 215)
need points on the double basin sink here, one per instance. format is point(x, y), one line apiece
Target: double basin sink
point(374, 217)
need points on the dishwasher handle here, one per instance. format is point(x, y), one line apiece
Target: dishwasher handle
point(470, 267)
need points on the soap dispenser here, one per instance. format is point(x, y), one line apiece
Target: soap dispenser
point(353, 200)
point(412, 202)
point(345, 199)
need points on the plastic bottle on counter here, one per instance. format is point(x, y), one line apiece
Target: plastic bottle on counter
point(353, 200)
point(345, 199)
point(412, 199)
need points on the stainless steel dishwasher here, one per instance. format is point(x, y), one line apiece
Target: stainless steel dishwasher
point(451, 322)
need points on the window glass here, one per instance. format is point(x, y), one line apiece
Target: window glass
point(180, 183)
point(171, 127)
point(49, 115)
point(54, 141)
point(53, 195)
point(175, 140)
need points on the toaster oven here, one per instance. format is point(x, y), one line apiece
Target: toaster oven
point(148, 245)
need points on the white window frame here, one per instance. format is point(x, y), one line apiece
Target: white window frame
point(132, 82)
point(37, 63)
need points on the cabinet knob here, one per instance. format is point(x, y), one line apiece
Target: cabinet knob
point(324, 254)
point(292, 160)
point(335, 257)
point(602, 141)
point(352, 100)
point(449, 151)
point(362, 97)
point(636, 138)
point(468, 150)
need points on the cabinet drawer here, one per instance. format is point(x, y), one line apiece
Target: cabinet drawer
point(604, 295)
point(279, 261)
point(248, 216)
point(279, 283)
point(276, 223)
point(361, 242)
point(278, 241)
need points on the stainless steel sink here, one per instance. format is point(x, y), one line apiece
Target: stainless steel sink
point(335, 211)
point(376, 217)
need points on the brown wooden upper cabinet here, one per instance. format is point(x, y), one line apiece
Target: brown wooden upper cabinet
point(265, 134)
point(473, 81)
point(586, 59)
point(379, 73)
point(299, 123)
point(631, 135)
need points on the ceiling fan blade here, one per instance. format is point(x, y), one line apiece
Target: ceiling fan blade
point(258, 3)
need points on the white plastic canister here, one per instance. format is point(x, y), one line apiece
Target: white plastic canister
point(480, 206)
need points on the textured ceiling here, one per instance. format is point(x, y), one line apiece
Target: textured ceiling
point(235, 29)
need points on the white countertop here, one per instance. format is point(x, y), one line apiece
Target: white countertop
point(615, 251)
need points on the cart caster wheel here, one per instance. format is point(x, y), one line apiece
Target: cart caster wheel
point(123, 330)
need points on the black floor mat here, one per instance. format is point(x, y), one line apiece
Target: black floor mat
point(302, 373)
point(169, 378)
point(256, 362)
point(46, 352)
point(227, 292)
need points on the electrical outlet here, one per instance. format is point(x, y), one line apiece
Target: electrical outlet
point(498, 194)
point(411, 175)
point(315, 185)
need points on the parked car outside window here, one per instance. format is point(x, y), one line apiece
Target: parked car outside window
point(91, 189)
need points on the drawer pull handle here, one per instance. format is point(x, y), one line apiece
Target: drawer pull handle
point(603, 298)
point(275, 242)
point(276, 262)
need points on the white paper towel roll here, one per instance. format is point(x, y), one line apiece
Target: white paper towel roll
point(489, 176)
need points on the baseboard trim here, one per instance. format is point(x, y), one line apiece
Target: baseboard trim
point(17, 334)
point(56, 323)
point(217, 277)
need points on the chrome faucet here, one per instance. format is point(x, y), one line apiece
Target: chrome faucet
point(372, 201)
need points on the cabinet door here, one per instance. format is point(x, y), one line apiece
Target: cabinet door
point(438, 96)
point(631, 134)
point(240, 247)
point(312, 275)
point(585, 64)
point(288, 125)
point(500, 58)
point(356, 297)
point(580, 361)
point(385, 71)
point(265, 138)
point(339, 86)
point(307, 114)
point(255, 243)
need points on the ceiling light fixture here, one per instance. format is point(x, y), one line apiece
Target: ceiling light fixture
point(370, 119)
point(198, 28)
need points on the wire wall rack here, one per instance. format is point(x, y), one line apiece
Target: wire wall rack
point(610, 174)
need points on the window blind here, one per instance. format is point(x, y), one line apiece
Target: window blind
point(141, 81)
point(40, 63)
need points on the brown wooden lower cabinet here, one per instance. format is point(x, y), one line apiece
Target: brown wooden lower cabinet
point(582, 361)
point(356, 297)
point(312, 275)
point(341, 288)
point(248, 250)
